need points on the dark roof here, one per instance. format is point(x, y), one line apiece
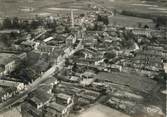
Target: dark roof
point(57, 107)
point(134, 81)
point(63, 96)
point(40, 66)
point(50, 80)
point(8, 60)
point(42, 95)
point(28, 107)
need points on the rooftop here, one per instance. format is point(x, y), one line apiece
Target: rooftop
point(6, 58)
point(63, 96)
point(56, 106)
point(42, 95)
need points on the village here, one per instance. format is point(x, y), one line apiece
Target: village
point(63, 65)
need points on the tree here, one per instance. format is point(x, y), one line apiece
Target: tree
point(6, 39)
point(7, 23)
point(109, 55)
point(139, 24)
point(103, 18)
point(15, 22)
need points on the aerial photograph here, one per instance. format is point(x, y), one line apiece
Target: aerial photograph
point(83, 58)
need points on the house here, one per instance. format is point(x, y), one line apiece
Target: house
point(8, 65)
point(2, 69)
point(9, 62)
point(83, 101)
point(40, 67)
point(87, 78)
point(51, 81)
point(48, 39)
point(63, 98)
point(40, 98)
point(90, 41)
point(91, 96)
point(9, 31)
point(142, 32)
point(45, 48)
point(57, 110)
point(47, 88)
point(70, 40)
point(61, 107)
point(165, 67)
point(28, 110)
point(9, 83)
point(7, 93)
point(22, 56)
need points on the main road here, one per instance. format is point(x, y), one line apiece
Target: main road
point(51, 71)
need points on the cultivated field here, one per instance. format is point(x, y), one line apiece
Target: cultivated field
point(101, 111)
point(29, 8)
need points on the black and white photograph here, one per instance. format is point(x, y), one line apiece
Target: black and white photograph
point(83, 58)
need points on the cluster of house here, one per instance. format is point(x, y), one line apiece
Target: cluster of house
point(54, 98)
point(42, 102)
point(10, 86)
point(122, 91)
point(82, 96)
point(148, 61)
point(11, 63)
point(7, 92)
point(112, 51)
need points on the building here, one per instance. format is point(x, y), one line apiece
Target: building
point(40, 66)
point(87, 78)
point(61, 107)
point(57, 110)
point(142, 32)
point(64, 99)
point(40, 98)
point(28, 110)
point(51, 81)
point(8, 92)
point(9, 62)
point(46, 48)
point(2, 69)
point(165, 67)
point(8, 65)
point(22, 56)
point(9, 83)
point(70, 40)
point(9, 31)
point(88, 95)
point(48, 39)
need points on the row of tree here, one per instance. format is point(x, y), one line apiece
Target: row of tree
point(27, 24)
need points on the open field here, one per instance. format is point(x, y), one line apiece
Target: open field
point(12, 113)
point(4, 57)
point(29, 8)
point(101, 111)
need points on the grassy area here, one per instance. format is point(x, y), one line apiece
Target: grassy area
point(28, 8)
point(12, 113)
point(99, 110)
point(4, 57)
